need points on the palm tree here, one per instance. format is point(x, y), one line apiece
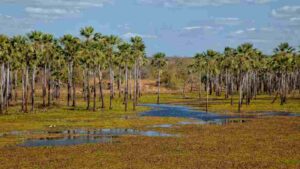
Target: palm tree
point(71, 46)
point(283, 62)
point(111, 43)
point(4, 57)
point(87, 32)
point(125, 53)
point(102, 62)
point(159, 62)
point(36, 38)
point(138, 48)
point(244, 54)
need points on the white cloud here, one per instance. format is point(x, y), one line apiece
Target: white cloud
point(130, 34)
point(286, 12)
point(173, 3)
point(12, 25)
point(53, 9)
point(190, 28)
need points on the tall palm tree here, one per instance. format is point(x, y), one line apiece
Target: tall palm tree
point(102, 63)
point(244, 54)
point(159, 62)
point(71, 46)
point(125, 53)
point(88, 33)
point(138, 48)
point(36, 38)
point(111, 43)
point(283, 61)
point(4, 59)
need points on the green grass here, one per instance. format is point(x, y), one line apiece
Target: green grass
point(259, 143)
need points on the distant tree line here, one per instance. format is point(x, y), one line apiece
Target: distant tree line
point(249, 72)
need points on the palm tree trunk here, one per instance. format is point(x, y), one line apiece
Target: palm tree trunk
point(158, 87)
point(1, 89)
point(129, 85)
point(101, 88)
point(32, 89)
point(26, 90)
point(88, 88)
point(240, 93)
point(126, 87)
point(7, 86)
point(207, 90)
point(200, 85)
point(49, 85)
point(135, 86)
point(74, 87)
point(69, 82)
point(120, 81)
point(111, 86)
point(16, 85)
point(23, 89)
point(44, 85)
point(94, 90)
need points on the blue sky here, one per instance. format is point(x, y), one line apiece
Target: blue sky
point(176, 27)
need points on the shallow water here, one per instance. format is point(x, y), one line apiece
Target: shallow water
point(167, 110)
point(80, 136)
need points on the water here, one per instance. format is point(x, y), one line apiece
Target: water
point(80, 136)
point(166, 110)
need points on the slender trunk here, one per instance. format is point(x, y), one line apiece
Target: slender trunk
point(74, 87)
point(7, 86)
point(16, 85)
point(120, 81)
point(200, 85)
point(44, 85)
point(126, 87)
point(32, 89)
point(111, 86)
point(101, 88)
point(26, 89)
point(129, 85)
point(240, 92)
point(135, 85)
point(94, 90)
point(207, 90)
point(158, 87)
point(226, 84)
point(1, 89)
point(88, 88)
point(49, 86)
point(23, 89)
point(69, 82)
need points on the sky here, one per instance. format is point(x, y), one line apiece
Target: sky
point(175, 27)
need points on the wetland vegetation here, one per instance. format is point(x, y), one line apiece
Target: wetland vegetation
point(107, 105)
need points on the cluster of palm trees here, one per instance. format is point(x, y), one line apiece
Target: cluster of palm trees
point(40, 57)
point(249, 72)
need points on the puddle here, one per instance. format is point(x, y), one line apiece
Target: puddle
point(80, 136)
point(165, 110)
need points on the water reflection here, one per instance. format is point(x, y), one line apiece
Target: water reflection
point(82, 136)
point(165, 110)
